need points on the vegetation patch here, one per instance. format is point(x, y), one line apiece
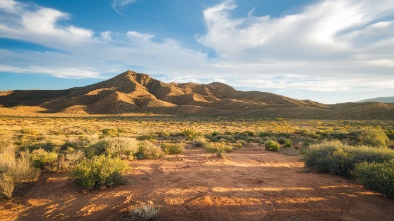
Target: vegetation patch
point(98, 171)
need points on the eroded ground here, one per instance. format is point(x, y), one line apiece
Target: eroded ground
point(250, 185)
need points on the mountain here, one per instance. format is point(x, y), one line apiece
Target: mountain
point(132, 92)
point(379, 99)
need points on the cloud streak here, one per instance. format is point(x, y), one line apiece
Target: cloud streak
point(119, 5)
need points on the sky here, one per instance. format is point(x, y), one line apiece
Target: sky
point(330, 51)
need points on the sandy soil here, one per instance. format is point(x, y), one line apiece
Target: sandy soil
point(250, 185)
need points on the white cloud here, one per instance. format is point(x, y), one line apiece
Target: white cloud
point(336, 45)
point(119, 5)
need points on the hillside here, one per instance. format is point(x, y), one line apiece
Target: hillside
point(379, 99)
point(132, 92)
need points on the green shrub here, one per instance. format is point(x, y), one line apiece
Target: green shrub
point(374, 136)
point(14, 170)
point(272, 145)
point(265, 134)
point(318, 157)
point(377, 176)
point(337, 158)
point(113, 147)
point(172, 148)
point(98, 171)
point(288, 143)
point(190, 134)
point(199, 142)
point(44, 160)
point(148, 150)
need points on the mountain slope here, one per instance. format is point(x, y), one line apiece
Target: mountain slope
point(379, 99)
point(132, 92)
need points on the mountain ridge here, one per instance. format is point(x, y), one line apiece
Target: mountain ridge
point(131, 92)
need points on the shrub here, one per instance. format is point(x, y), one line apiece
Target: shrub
point(113, 147)
point(199, 142)
point(143, 212)
point(147, 150)
point(374, 136)
point(14, 170)
point(69, 160)
point(44, 160)
point(190, 134)
point(288, 143)
point(172, 148)
point(100, 170)
point(318, 157)
point(377, 176)
point(272, 145)
point(337, 158)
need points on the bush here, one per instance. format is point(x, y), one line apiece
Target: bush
point(147, 150)
point(374, 136)
point(143, 212)
point(172, 148)
point(110, 132)
point(377, 176)
point(14, 170)
point(288, 143)
point(98, 171)
point(113, 147)
point(199, 142)
point(190, 134)
point(272, 145)
point(44, 160)
point(337, 158)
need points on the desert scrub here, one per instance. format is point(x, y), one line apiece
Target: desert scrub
point(172, 148)
point(14, 170)
point(285, 142)
point(218, 147)
point(199, 142)
point(377, 176)
point(337, 158)
point(373, 136)
point(190, 134)
point(143, 212)
point(113, 147)
point(44, 160)
point(148, 150)
point(98, 171)
point(150, 137)
point(272, 145)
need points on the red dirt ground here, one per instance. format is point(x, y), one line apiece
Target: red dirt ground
point(250, 185)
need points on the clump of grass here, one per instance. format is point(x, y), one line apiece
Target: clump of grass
point(200, 142)
point(100, 170)
point(14, 170)
point(218, 147)
point(172, 148)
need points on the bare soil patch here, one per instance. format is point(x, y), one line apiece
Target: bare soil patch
point(249, 185)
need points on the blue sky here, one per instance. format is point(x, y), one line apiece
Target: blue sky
point(330, 51)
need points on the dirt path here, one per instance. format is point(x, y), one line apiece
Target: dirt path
point(251, 185)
